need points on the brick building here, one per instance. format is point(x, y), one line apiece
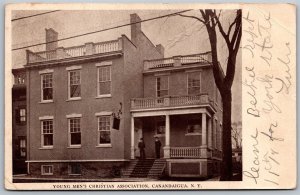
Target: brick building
point(181, 106)
point(19, 121)
point(72, 96)
point(87, 107)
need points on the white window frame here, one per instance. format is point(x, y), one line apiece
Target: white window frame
point(43, 171)
point(69, 131)
point(43, 73)
point(69, 83)
point(99, 131)
point(99, 66)
point(187, 81)
point(168, 79)
point(22, 116)
point(42, 119)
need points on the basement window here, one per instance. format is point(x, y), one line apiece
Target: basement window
point(74, 169)
point(47, 169)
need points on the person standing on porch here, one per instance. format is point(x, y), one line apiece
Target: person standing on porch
point(142, 146)
point(157, 147)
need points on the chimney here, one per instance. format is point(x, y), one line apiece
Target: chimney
point(161, 50)
point(51, 35)
point(135, 27)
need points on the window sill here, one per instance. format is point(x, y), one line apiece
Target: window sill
point(104, 146)
point(46, 101)
point(73, 99)
point(74, 147)
point(46, 148)
point(192, 134)
point(159, 135)
point(47, 174)
point(103, 96)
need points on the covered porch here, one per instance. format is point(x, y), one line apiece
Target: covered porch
point(188, 133)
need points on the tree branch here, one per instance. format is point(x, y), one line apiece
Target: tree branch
point(194, 17)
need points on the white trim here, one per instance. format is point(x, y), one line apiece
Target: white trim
point(73, 68)
point(98, 85)
point(69, 85)
point(74, 116)
point(192, 134)
point(104, 63)
point(168, 84)
point(46, 118)
point(187, 80)
point(46, 101)
point(73, 99)
point(171, 111)
point(104, 146)
point(189, 71)
point(92, 160)
point(103, 96)
point(103, 113)
point(42, 170)
point(41, 86)
point(46, 71)
point(162, 74)
point(46, 148)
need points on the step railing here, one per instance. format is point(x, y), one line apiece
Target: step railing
point(185, 152)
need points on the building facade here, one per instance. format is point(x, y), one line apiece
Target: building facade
point(19, 120)
point(181, 106)
point(88, 106)
point(78, 103)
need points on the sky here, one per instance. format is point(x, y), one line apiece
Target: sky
point(179, 35)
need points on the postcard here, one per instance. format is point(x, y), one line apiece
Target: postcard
point(150, 96)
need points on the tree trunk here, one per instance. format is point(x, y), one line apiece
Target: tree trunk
point(226, 171)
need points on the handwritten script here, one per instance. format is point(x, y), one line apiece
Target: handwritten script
point(267, 77)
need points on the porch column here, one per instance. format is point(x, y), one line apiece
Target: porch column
point(204, 135)
point(132, 138)
point(209, 132)
point(167, 138)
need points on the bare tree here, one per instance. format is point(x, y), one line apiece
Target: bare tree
point(232, 37)
point(236, 134)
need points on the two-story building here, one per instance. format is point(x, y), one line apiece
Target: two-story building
point(19, 121)
point(78, 103)
point(182, 106)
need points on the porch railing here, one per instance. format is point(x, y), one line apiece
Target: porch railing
point(172, 101)
point(178, 61)
point(76, 51)
point(185, 152)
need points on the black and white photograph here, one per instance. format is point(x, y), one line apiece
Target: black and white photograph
point(134, 95)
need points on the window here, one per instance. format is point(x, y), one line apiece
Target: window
point(104, 80)
point(20, 79)
point(104, 134)
point(74, 169)
point(22, 142)
point(193, 83)
point(47, 87)
point(47, 170)
point(74, 84)
point(162, 86)
point(160, 127)
point(75, 132)
point(194, 126)
point(21, 116)
point(47, 133)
